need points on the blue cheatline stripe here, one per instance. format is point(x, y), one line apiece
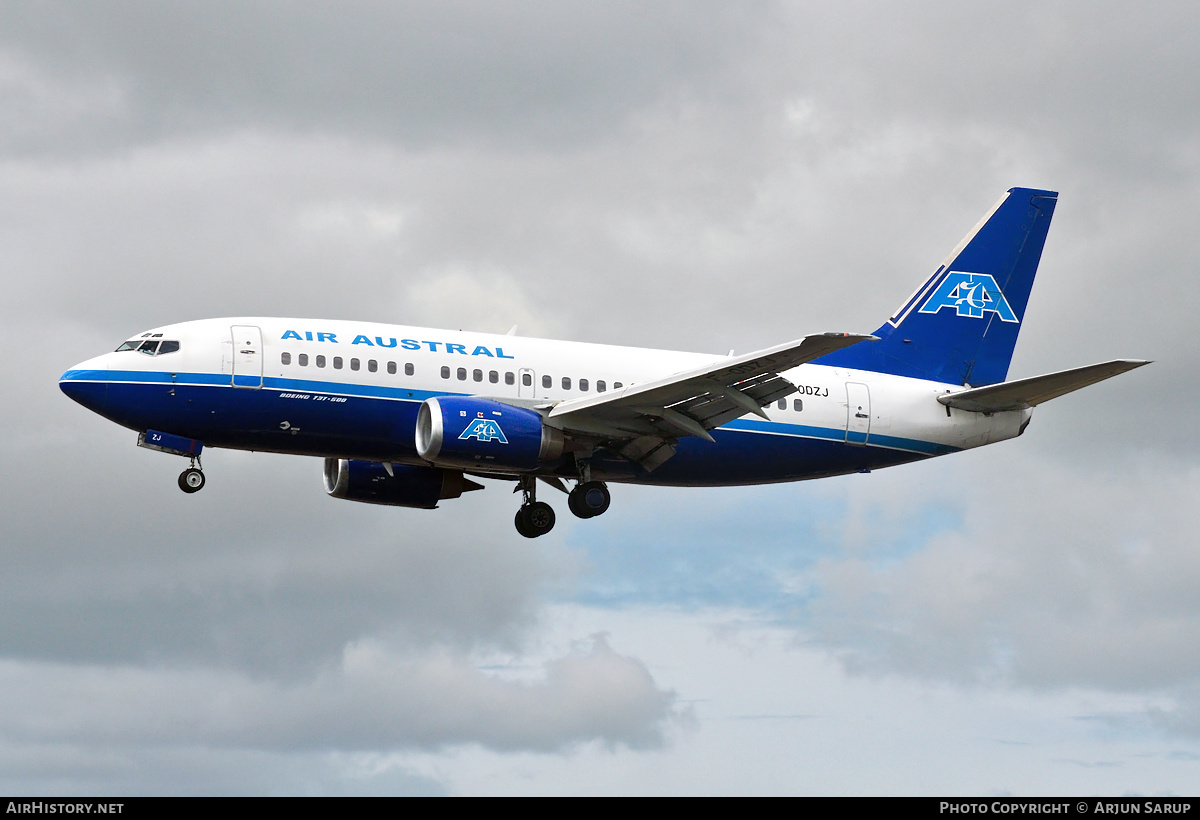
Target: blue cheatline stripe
point(838, 434)
point(223, 380)
point(145, 377)
point(408, 394)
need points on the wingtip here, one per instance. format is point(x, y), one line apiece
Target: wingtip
point(862, 337)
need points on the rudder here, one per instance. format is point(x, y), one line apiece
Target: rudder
point(961, 325)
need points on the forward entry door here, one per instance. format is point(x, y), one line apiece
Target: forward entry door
point(247, 356)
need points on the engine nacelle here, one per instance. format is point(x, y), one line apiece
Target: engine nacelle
point(405, 486)
point(472, 433)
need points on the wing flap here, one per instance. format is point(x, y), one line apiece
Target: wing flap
point(695, 401)
point(1022, 393)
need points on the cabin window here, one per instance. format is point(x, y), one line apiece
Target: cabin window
point(781, 404)
point(372, 365)
point(462, 374)
point(527, 379)
point(337, 362)
point(601, 386)
point(445, 372)
point(509, 377)
point(303, 359)
point(616, 385)
point(285, 358)
point(408, 369)
point(546, 381)
point(477, 375)
point(583, 385)
point(797, 405)
point(566, 382)
point(391, 368)
point(493, 376)
point(320, 361)
point(354, 364)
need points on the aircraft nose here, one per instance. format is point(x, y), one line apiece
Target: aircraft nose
point(87, 383)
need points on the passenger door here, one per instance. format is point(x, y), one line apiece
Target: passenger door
point(858, 413)
point(247, 356)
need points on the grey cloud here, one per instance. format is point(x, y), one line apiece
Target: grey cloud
point(409, 72)
point(267, 575)
point(692, 176)
point(373, 699)
point(1053, 579)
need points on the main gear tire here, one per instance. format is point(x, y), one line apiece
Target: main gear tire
point(535, 520)
point(589, 499)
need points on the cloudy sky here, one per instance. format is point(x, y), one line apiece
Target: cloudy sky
point(703, 176)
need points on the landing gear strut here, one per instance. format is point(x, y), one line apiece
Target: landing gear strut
point(535, 517)
point(191, 480)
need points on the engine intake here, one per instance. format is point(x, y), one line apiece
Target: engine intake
point(474, 433)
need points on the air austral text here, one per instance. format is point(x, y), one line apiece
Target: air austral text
point(48, 807)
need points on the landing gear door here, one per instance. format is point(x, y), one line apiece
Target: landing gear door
point(247, 356)
point(858, 413)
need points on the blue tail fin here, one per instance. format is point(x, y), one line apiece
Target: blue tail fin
point(961, 326)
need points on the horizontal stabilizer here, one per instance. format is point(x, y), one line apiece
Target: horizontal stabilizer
point(1022, 393)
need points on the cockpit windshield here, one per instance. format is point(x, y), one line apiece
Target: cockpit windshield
point(150, 347)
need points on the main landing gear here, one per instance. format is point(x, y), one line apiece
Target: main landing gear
point(589, 499)
point(536, 518)
point(191, 480)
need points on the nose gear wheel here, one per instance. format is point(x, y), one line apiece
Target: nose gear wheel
point(191, 480)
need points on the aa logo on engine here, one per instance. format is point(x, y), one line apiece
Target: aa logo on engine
point(484, 430)
point(970, 294)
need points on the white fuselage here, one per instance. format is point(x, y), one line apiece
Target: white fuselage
point(351, 389)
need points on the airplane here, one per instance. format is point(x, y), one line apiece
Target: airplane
point(409, 416)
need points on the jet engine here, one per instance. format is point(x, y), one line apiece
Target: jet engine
point(475, 434)
point(401, 486)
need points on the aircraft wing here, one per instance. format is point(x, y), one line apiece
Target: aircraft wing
point(645, 418)
point(1022, 393)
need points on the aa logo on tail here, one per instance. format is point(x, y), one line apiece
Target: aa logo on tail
point(970, 294)
point(484, 430)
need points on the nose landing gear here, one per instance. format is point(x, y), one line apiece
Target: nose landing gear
point(191, 480)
